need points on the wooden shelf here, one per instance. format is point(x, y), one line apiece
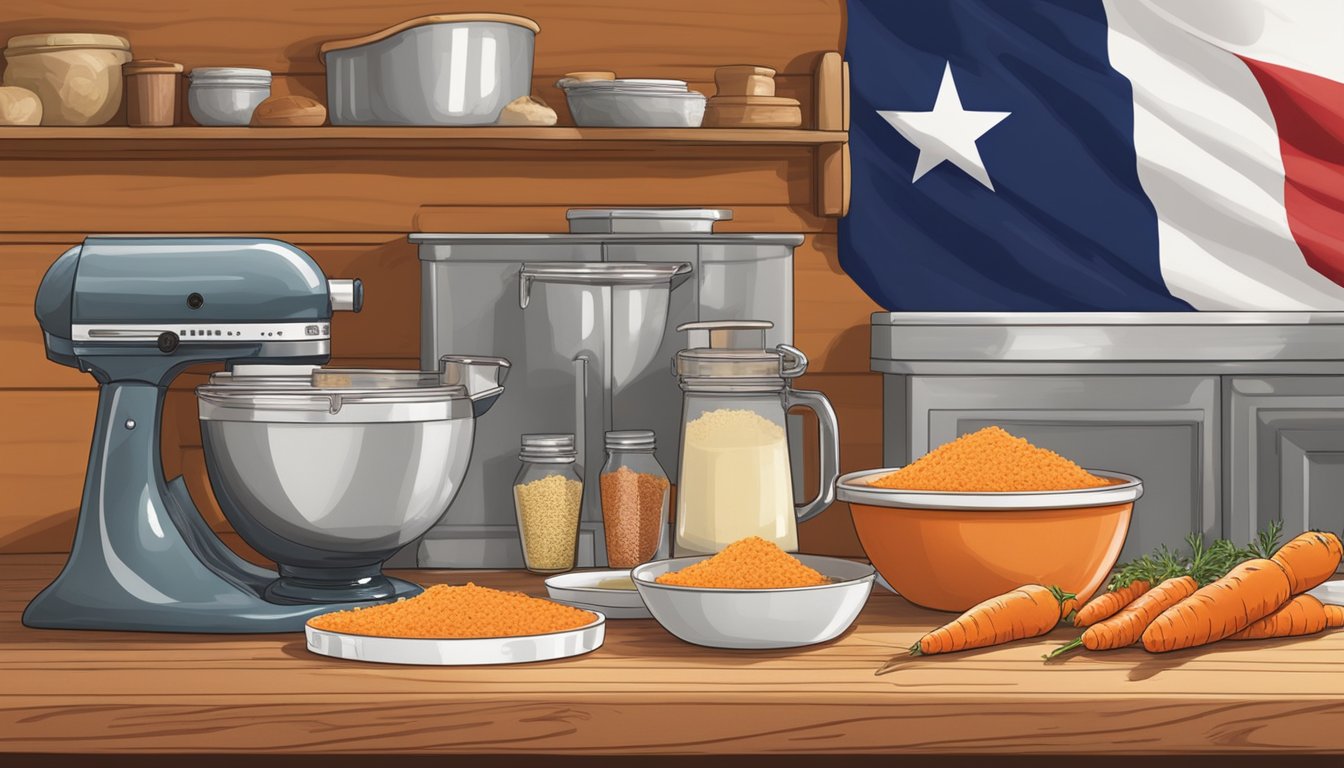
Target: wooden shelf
point(193, 140)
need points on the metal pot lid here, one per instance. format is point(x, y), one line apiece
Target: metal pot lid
point(735, 349)
point(642, 84)
point(332, 46)
point(308, 395)
point(204, 75)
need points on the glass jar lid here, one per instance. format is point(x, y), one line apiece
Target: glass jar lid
point(548, 449)
point(630, 440)
point(735, 350)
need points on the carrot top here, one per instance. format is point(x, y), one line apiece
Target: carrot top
point(1206, 563)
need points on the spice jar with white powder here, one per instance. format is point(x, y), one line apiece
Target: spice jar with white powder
point(734, 477)
point(548, 496)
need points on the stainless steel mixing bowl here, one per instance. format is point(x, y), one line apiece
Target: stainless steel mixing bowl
point(329, 472)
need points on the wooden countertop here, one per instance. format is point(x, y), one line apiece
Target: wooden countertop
point(65, 692)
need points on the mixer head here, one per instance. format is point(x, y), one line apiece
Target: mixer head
point(145, 307)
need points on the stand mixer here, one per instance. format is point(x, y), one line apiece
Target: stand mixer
point(135, 312)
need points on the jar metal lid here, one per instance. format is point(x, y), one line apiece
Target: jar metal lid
point(548, 448)
point(631, 440)
point(228, 74)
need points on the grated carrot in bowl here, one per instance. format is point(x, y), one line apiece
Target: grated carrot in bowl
point(457, 612)
point(750, 563)
point(990, 460)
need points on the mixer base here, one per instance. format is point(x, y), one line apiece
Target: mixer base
point(336, 585)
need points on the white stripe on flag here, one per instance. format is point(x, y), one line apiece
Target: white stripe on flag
point(1209, 159)
point(1298, 34)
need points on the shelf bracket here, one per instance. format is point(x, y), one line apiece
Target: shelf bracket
point(833, 164)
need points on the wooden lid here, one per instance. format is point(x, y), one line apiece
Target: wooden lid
point(57, 40)
point(150, 67)
point(745, 70)
point(755, 101)
point(438, 18)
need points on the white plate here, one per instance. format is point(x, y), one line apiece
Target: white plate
point(459, 651)
point(581, 591)
point(1331, 592)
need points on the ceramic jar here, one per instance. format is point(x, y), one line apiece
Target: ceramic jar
point(77, 76)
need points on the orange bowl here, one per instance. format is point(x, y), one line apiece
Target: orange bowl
point(950, 550)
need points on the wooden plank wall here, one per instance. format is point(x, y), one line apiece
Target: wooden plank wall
point(352, 209)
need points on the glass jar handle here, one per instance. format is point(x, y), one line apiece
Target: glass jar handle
point(792, 362)
point(829, 464)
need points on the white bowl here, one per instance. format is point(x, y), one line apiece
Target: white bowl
point(226, 95)
point(757, 618)
point(579, 589)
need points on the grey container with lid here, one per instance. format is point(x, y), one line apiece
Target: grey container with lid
point(470, 286)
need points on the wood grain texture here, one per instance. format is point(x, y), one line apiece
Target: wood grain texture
point(44, 448)
point(684, 40)
point(383, 194)
point(646, 692)
point(199, 142)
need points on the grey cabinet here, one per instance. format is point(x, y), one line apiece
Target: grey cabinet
point(1231, 419)
point(1163, 429)
point(1286, 453)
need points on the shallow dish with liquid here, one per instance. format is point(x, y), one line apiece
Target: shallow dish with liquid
point(757, 618)
point(598, 591)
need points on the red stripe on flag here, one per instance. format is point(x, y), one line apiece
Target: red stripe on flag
point(1309, 112)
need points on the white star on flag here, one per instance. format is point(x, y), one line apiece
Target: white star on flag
point(948, 132)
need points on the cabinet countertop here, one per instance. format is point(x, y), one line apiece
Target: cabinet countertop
point(119, 693)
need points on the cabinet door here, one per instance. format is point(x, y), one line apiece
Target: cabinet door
point(1163, 429)
point(1286, 453)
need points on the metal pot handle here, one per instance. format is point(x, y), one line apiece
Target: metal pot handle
point(482, 375)
point(829, 464)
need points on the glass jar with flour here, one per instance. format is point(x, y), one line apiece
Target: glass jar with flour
point(735, 480)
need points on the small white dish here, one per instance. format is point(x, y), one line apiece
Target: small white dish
point(459, 651)
point(758, 619)
point(580, 590)
point(1330, 593)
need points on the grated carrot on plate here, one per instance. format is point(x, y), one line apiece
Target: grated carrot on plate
point(457, 612)
point(990, 460)
point(750, 563)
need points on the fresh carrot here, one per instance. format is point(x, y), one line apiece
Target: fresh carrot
point(1303, 615)
point(1109, 604)
point(1309, 559)
point(1024, 612)
point(1125, 628)
point(1249, 592)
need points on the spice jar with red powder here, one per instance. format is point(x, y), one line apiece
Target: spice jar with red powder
point(634, 491)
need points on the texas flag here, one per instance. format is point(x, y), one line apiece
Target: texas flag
point(1106, 155)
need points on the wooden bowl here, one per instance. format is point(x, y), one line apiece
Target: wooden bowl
point(949, 551)
point(752, 112)
point(744, 80)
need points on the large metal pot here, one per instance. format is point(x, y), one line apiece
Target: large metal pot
point(330, 471)
point(445, 69)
